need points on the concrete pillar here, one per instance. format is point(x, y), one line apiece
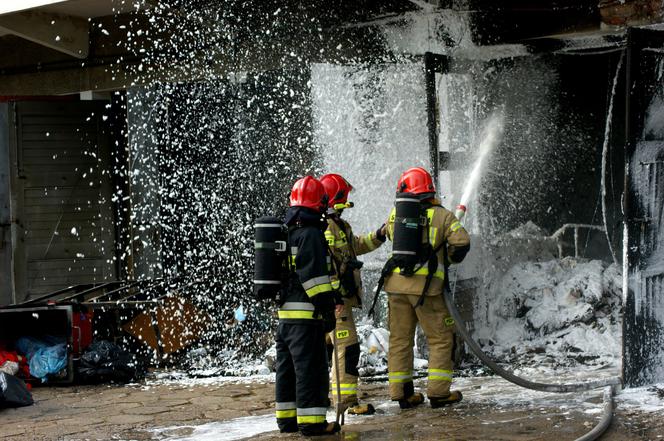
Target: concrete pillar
point(6, 269)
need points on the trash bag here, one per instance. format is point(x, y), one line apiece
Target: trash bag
point(46, 355)
point(378, 341)
point(104, 361)
point(13, 392)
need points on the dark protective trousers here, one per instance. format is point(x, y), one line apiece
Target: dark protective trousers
point(302, 381)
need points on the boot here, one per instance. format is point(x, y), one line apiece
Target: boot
point(453, 397)
point(361, 409)
point(288, 428)
point(414, 400)
point(320, 429)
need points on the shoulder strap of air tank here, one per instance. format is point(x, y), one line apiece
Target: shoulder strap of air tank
point(289, 249)
point(335, 263)
point(432, 266)
point(337, 220)
point(287, 271)
point(387, 269)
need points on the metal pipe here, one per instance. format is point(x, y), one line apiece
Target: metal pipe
point(576, 242)
point(560, 231)
point(432, 125)
point(612, 50)
point(53, 66)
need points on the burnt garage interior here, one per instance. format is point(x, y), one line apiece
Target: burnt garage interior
point(108, 110)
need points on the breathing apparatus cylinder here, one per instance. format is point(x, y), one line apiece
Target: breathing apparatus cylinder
point(270, 250)
point(407, 235)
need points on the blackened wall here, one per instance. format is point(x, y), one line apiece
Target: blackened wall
point(547, 168)
point(6, 269)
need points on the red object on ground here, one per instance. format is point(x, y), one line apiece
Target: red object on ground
point(81, 332)
point(23, 369)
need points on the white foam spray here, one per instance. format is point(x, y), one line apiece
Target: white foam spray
point(490, 137)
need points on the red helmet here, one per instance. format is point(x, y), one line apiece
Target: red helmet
point(336, 187)
point(308, 192)
point(416, 181)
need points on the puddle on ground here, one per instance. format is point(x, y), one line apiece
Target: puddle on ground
point(235, 429)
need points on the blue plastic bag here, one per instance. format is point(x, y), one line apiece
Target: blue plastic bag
point(240, 316)
point(46, 355)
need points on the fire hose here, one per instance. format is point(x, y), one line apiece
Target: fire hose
point(608, 384)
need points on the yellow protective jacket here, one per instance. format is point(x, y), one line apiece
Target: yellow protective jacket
point(443, 226)
point(345, 247)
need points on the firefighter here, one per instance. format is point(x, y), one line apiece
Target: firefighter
point(345, 247)
point(409, 302)
point(306, 314)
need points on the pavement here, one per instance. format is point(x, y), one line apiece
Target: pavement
point(231, 409)
point(128, 412)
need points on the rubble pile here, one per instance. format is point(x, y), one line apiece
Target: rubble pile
point(558, 312)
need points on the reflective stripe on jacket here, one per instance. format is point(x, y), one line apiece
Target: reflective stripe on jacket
point(310, 277)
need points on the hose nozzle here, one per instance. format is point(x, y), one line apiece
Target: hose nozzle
point(460, 211)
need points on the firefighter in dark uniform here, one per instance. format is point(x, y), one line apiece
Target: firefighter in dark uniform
point(306, 313)
point(345, 247)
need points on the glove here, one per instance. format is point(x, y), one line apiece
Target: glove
point(380, 233)
point(324, 303)
point(329, 321)
point(338, 299)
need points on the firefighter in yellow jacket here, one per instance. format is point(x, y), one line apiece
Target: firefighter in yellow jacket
point(345, 247)
point(415, 292)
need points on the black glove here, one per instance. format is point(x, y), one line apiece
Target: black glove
point(325, 305)
point(380, 233)
point(338, 299)
point(329, 321)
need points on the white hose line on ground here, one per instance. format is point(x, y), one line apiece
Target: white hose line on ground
point(607, 414)
point(607, 383)
point(509, 376)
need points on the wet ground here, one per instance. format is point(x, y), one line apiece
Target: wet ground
point(232, 409)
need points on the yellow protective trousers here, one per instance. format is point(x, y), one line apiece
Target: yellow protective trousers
point(438, 327)
point(348, 351)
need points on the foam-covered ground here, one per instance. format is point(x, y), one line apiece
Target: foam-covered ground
point(490, 406)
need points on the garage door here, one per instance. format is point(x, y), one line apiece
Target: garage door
point(62, 189)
